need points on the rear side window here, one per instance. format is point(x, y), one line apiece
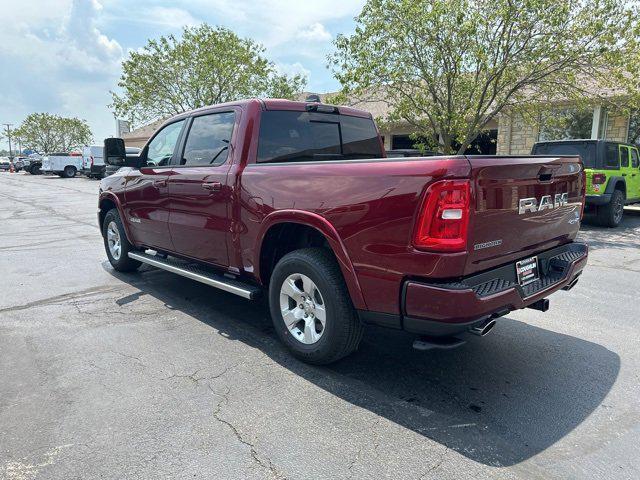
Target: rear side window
point(287, 136)
point(208, 139)
point(611, 158)
point(624, 157)
point(635, 159)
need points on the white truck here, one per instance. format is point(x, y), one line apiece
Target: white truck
point(93, 165)
point(65, 165)
point(92, 162)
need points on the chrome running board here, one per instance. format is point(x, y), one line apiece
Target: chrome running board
point(199, 274)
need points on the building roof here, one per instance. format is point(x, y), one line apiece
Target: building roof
point(144, 132)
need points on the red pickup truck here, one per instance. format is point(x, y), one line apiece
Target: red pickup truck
point(296, 200)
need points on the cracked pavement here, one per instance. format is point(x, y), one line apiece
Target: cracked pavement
point(150, 375)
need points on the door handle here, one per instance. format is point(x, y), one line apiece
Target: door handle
point(159, 183)
point(624, 174)
point(213, 186)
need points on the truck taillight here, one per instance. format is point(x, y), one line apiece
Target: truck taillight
point(444, 217)
point(598, 178)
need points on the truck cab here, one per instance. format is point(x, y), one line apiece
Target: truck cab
point(612, 172)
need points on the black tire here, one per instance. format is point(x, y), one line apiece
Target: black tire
point(123, 263)
point(35, 170)
point(342, 331)
point(69, 171)
point(610, 215)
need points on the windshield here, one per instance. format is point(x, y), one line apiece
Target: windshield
point(586, 150)
point(288, 136)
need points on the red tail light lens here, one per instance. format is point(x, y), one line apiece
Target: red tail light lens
point(444, 218)
point(598, 178)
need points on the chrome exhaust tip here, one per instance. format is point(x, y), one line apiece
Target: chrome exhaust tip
point(484, 328)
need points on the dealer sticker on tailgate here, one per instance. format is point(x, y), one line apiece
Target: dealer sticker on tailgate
point(527, 270)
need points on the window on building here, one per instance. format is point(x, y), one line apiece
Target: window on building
point(484, 144)
point(403, 142)
point(567, 124)
point(633, 135)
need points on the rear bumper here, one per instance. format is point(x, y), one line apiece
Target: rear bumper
point(441, 309)
point(97, 170)
point(602, 199)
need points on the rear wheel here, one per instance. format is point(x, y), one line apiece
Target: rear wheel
point(69, 171)
point(311, 307)
point(610, 215)
point(116, 244)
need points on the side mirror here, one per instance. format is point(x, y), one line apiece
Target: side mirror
point(114, 152)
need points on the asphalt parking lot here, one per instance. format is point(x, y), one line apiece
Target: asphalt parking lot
point(150, 375)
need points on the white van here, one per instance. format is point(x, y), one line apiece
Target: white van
point(65, 165)
point(92, 161)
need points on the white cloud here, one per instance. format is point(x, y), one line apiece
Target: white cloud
point(275, 22)
point(63, 56)
point(169, 17)
point(293, 69)
point(315, 32)
point(67, 64)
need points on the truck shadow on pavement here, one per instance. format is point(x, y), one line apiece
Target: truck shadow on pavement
point(498, 400)
point(626, 235)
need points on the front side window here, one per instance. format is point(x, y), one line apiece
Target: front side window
point(163, 144)
point(290, 136)
point(635, 159)
point(208, 139)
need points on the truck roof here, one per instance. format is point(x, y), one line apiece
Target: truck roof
point(271, 104)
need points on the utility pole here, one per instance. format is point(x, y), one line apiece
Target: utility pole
point(9, 125)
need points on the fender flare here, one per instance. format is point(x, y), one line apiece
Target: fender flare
point(116, 201)
point(613, 181)
point(328, 231)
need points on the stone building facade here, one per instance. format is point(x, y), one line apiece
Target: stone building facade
point(516, 136)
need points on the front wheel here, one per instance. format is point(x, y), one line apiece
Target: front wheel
point(116, 244)
point(311, 308)
point(610, 215)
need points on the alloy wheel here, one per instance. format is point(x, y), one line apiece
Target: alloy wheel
point(113, 241)
point(303, 308)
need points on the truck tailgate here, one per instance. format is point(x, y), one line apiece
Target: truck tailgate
point(523, 205)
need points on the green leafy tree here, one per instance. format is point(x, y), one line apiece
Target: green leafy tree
point(46, 133)
point(205, 66)
point(447, 67)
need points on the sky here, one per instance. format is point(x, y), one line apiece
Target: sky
point(64, 56)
